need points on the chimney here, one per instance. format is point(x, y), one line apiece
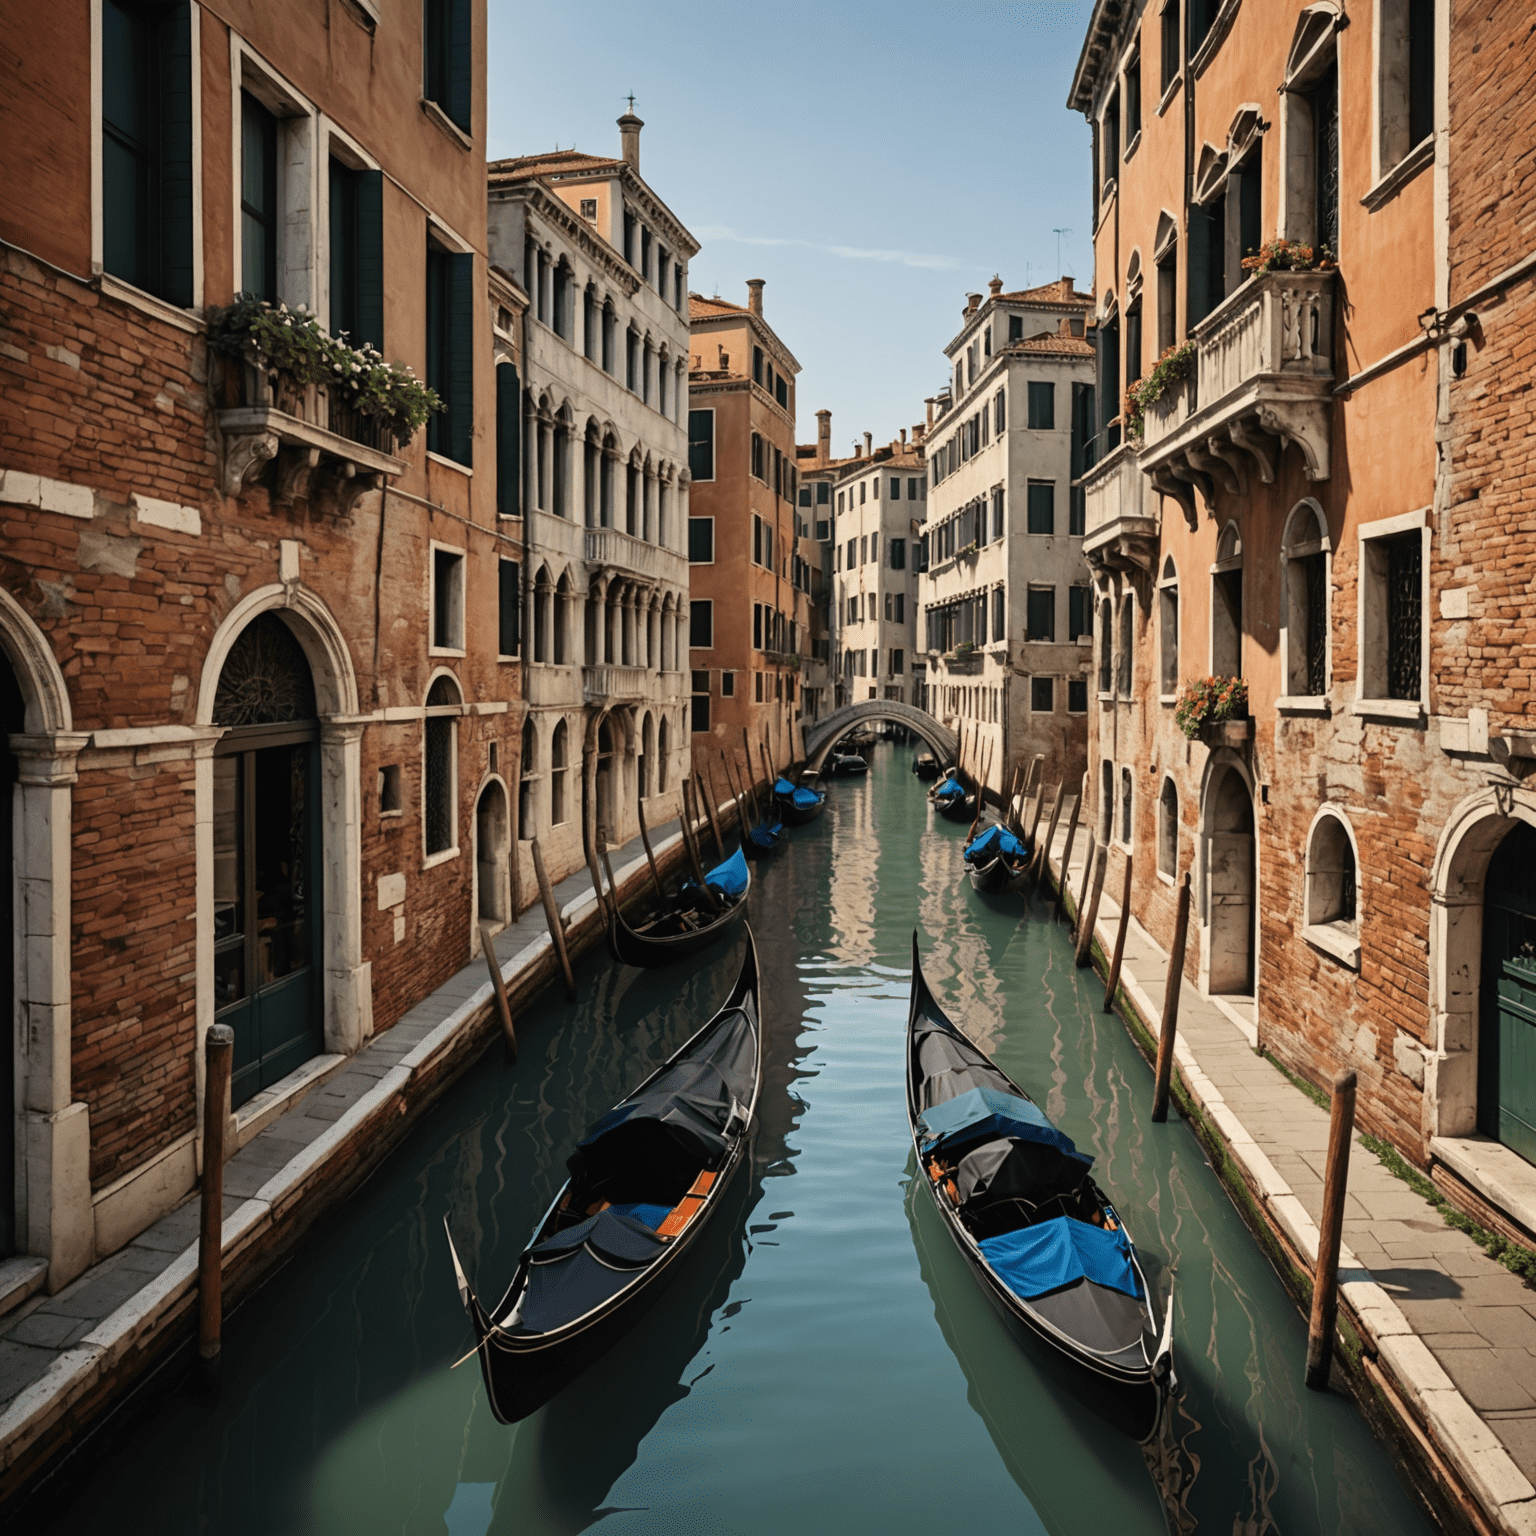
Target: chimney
point(755, 296)
point(629, 139)
point(903, 438)
point(972, 300)
point(869, 444)
point(995, 287)
point(928, 416)
point(824, 435)
point(919, 435)
point(858, 450)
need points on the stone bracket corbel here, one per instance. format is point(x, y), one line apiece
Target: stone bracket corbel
point(246, 454)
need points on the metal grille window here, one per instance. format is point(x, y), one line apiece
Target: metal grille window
point(1317, 624)
point(1325, 120)
point(438, 798)
point(1404, 616)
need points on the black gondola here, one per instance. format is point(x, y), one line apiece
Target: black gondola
point(1047, 1246)
point(797, 803)
point(645, 1179)
point(690, 923)
point(926, 766)
point(764, 838)
point(844, 765)
point(953, 800)
point(996, 859)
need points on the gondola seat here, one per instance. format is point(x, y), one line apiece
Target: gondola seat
point(677, 1219)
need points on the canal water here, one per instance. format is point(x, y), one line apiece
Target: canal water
point(825, 1363)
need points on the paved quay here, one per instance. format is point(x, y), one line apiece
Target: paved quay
point(65, 1360)
point(1447, 1335)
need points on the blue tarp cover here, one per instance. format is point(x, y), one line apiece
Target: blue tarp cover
point(782, 786)
point(950, 789)
point(651, 1215)
point(806, 798)
point(1051, 1254)
point(983, 1113)
point(766, 836)
point(729, 877)
point(995, 840)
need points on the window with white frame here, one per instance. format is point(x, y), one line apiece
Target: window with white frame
point(1168, 829)
point(1227, 605)
point(1332, 915)
point(1127, 641)
point(528, 783)
point(1304, 587)
point(1393, 569)
point(440, 769)
point(1405, 80)
point(1106, 800)
point(1168, 630)
point(447, 599)
point(1126, 823)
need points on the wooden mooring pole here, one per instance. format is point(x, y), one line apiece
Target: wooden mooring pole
point(218, 1056)
point(1325, 1278)
point(1169, 1030)
point(707, 796)
point(552, 917)
point(1082, 895)
point(650, 858)
point(1037, 773)
point(1066, 852)
point(499, 988)
point(1043, 850)
point(1113, 981)
point(1090, 914)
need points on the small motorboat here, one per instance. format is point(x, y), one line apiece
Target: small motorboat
point(845, 765)
point(953, 799)
point(1050, 1251)
point(797, 803)
point(762, 839)
point(690, 922)
point(645, 1179)
point(926, 766)
point(996, 860)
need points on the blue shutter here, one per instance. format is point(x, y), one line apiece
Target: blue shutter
point(461, 358)
point(176, 232)
point(509, 443)
point(369, 237)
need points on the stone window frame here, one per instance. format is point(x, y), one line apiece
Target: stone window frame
point(1314, 48)
point(1125, 805)
point(451, 713)
point(1106, 656)
point(528, 779)
point(1394, 160)
point(1293, 652)
point(1125, 647)
point(1168, 655)
point(1335, 936)
point(455, 598)
point(1106, 817)
point(1370, 619)
point(1168, 832)
point(1226, 565)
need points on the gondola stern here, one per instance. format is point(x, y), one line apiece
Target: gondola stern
point(466, 1296)
point(1162, 1361)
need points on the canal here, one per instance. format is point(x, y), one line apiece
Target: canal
point(825, 1363)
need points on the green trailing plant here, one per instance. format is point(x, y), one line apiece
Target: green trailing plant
point(1289, 256)
point(970, 549)
point(965, 649)
point(1208, 701)
point(1173, 367)
point(294, 345)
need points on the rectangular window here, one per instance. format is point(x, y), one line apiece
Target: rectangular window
point(357, 254)
point(758, 679)
point(1042, 695)
point(1170, 41)
point(701, 540)
point(823, 529)
point(898, 550)
point(853, 545)
point(874, 548)
point(448, 62)
point(448, 600)
point(1041, 615)
point(701, 624)
point(781, 391)
point(901, 607)
point(1077, 695)
point(898, 663)
point(1042, 406)
point(1404, 571)
point(1042, 506)
point(1079, 612)
point(509, 441)
point(999, 631)
point(1133, 96)
point(1015, 327)
point(258, 199)
point(509, 606)
point(727, 685)
point(759, 471)
point(1421, 70)
point(451, 315)
point(701, 445)
point(757, 626)
point(699, 714)
point(863, 549)
point(863, 492)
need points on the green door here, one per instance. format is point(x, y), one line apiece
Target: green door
point(1507, 1034)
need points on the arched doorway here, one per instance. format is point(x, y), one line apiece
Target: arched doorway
point(491, 853)
point(267, 917)
point(13, 712)
point(1229, 883)
point(1506, 1087)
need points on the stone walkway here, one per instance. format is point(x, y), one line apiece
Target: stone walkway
point(1454, 1328)
point(60, 1351)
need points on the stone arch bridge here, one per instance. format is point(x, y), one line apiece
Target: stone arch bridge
point(822, 735)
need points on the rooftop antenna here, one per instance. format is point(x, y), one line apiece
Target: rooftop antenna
point(1059, 233)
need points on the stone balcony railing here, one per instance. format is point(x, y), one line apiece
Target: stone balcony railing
point(964, 666)
point(325, 453)
point(609, 684)
point(609, 549)
point(1119, 530)
point(1263, 379)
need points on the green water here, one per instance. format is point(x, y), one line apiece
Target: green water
point(825, 1362)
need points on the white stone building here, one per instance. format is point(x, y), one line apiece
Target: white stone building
point(604, 492)
point(1007, 611)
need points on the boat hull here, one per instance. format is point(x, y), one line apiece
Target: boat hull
point(648, 952)
point(957, 810)
point(798, 815)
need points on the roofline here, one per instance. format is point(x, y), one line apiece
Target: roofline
point(1104, 23)
point(1085, 303)
point(757, 321)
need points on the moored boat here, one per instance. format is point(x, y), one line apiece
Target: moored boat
point(952, 799)
point(692, 921)
point(762, 839)
point(846, 764)
point(926, 766)
point(1049, 1249)
point(644, 1181)
point(797, 803)
point(996, 860)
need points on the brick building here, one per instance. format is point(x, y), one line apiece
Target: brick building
point(748, 585)
point(1326, 496)
point(254, 642)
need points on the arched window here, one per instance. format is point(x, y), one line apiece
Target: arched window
point(1106, 801)
point(1126, 824)
point(591, 457)
point(590, 314)
point(632, 498)
point(647, 756)
point(1106, 648)
point(541, 595)
point(558, 765)
point(528, 779)
point(1168, 630)
point(441, 769)
point(562, 642)
point(1168, 830)
point(1127, 640)
point(605, 482)
point(1227, 605)
point(1304, 583)
point(661, 756)
point(1332, 901)
point(560, 468)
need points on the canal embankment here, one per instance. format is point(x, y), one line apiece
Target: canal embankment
point(68, 1361)
point(1436, 1339)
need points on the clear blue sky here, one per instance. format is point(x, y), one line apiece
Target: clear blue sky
point(873, 162)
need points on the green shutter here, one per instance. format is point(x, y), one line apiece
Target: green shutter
point(509, 442)
point(461, 64)
point(510, 595)
point(461, 358)
point(176, 233)
point(368, 304)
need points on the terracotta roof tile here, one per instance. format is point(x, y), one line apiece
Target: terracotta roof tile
point(700, 308)
point(523, 167)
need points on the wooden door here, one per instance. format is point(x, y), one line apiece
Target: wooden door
point(1507, 1033)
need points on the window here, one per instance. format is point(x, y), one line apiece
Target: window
point(823, 494)
point(1015, 327)
point(1127, 641)
point(701, 624)
point(1042, 506)
point(1201, 14)
point(1168, 830)
point(1332, 921)
point(357, 254)
point(823, 529)
point(898, 662)
point(1168, 630)
point(701, 540)
point(1042, 695)
point(1041, 615)
point(781, 391)
point(898, 553)
point(1109, 139)
point(1106, 801)
point(447, 599)
point(1405, 89)
point(999, 631)
point(863, 492)
point(440, 770)
point(559, 762)
point(1167, 297)
point(391, 798)
point(146, 148)
point(700, 707)
point(1392, 609)
point(701, 445)
point(1133, 97)
point(874, 548)
point(1125, 807)
point(1077, 695)
point(509, 594)
point(1304, 556)
point(901, 607)
point(589, 209)
point(258, 199)
point(527, 785)
point(727, 685)
point(451, 315)
point(759, 466)
point(1227, 605)
point(448, 63)
point(1079, 612)
point(1042, 406)
point(1170, 42)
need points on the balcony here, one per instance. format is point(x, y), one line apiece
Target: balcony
point(325, 453)
point(1263, 380)
point(607, 685)
point(964, 666)
point(1120, 533)
point(608, 549)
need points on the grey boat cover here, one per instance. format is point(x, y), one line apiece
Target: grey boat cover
point(582, 1267)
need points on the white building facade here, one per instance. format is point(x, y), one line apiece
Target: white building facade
point(1005, 594)
point(604, 494)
